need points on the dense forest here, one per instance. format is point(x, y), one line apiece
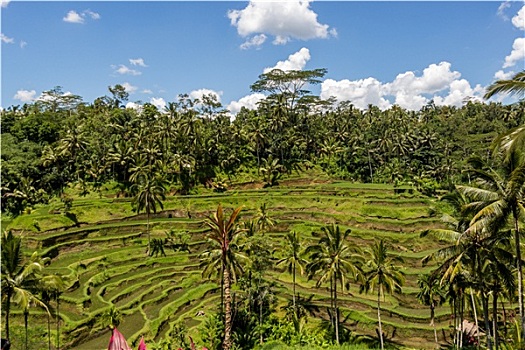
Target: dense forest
point(60, 139)
point(472, 157)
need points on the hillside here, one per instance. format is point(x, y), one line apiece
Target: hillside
point(103, 242)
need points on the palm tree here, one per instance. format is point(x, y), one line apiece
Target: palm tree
point(381, 272)
point(431, 294)
point(222, 235)
point(333, 259)
point(20, 279)
point(292, 260)
point(499, 198)
point(51, 285)
point(150, 194)
point(516, 85)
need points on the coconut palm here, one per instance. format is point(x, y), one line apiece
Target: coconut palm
point(150, 194)
point(498, 199)
point(332, 260)
point(431, 294)
point(20, 279)
point(222, 236)
point(292, 260)
point(515, 85)
point(381, 272)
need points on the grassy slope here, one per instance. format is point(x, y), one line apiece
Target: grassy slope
point(106, 246)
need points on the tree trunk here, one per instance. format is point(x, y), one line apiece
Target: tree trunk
point(432, 321)
point(227, 343)
point(518, 264)
point(7, 311)
point(58, 322)
point(495, 318)
point(147, 230)
point(260, 318)
point(49, 331)
point(379, 315)
point(475, 315)
point(293, 295)
point(336, 312)
point(485, 303)
point(26, 314)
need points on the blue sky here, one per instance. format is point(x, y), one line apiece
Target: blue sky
point(379, 53)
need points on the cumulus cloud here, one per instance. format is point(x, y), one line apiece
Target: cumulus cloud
point(4, 3)
point(296, 61)
point(517, 53)
point(255, 41)
point(198, 94)
point(80, 18)
point(519, 19)
point(25, 95)
point(124, 70)
point(23, 44)
point(408, 90)
point(147, 91)
point(158, 102)
point(249, 102)
point(360, 92)
point(501, 75)
point(129, 88)
point(5, 39)
point(137, 62)
point(133, 105)
point(73, 17)
point(284, 20)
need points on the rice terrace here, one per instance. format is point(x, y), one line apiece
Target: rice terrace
point(317, 212)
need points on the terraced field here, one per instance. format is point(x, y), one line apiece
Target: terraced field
point(104, 244)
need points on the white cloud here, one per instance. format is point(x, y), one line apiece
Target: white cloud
point(4, 3)
point(519, 19)
point(256, 41)
point(147, 91)
point(122, 69)
point(129, 88)
point(134, 105)
point(360, 92)
point(501, 75)
point(5, 39)
point(91, 14)
point(198, 94)
point(25, 95)
point(137, 62)
point(73, 17)
point(249, 102)
point(459, 91)
point(23, 44)
point(159, 102)
point(501, 10)
point(296, 61)
point(285, 20)
point(408, 90)
point(517, 54)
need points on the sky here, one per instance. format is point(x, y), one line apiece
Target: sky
point(381, 53)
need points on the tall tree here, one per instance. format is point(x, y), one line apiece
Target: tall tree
point(222, 235)
point(292, 260)
point(431, 294)
point(19, 278)
point(150, 194)
point(333, 260)
point(381, 272)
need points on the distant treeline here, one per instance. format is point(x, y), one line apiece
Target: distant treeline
point(60, 139)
